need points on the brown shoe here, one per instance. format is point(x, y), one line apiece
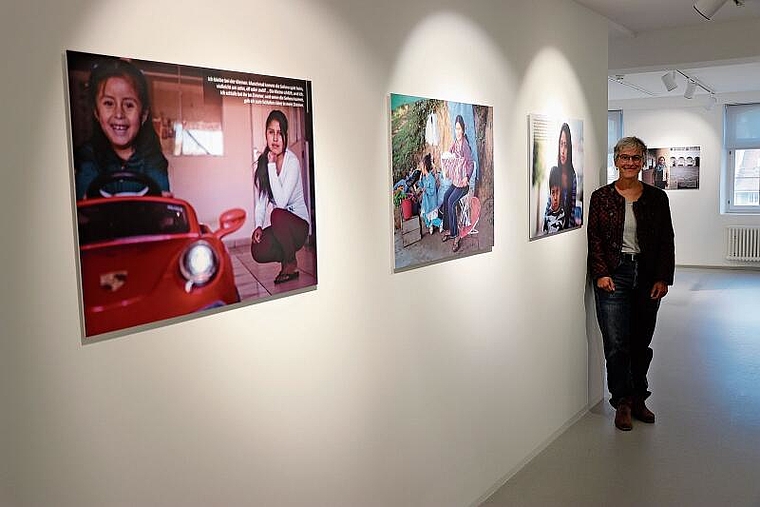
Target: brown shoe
point(623, 415)
point(640, 411)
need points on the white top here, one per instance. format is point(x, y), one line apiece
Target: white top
point(287, 192)
point(630, 241)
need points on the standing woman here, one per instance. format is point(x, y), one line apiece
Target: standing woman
point(459, 167)
point(659, 173)
point(631, 258)
point(282, 218)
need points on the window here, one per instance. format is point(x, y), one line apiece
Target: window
point(742, 142)
point(614, 132)
point(188, 120)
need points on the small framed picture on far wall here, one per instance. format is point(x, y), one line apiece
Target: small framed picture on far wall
point(672, 168)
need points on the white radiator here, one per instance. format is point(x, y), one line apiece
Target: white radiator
point(743, 243)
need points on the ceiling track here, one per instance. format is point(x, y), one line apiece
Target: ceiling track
point(620, 79)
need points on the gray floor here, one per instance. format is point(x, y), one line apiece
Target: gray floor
point(704, 449)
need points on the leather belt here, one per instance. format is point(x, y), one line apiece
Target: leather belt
point(630, 257)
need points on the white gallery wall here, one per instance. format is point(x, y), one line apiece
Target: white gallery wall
point(423, 388)
point(699, 223)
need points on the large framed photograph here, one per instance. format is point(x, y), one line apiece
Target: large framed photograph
point(194, 189)
point(441, 179)
point(672, 168)
point(556, 175)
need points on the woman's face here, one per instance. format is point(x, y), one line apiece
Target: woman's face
point(629, 163)
point(458, 131)
point(119, 113)
point(563, 148)
point(661, 160)
point(275, 141)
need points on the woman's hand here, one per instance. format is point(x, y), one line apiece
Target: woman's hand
point(606, 284)
point(257, 235)
point(271, 157)
point(659, 289)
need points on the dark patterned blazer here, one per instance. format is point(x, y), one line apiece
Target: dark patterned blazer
point(654, 231)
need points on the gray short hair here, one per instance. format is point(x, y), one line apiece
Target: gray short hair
point(630, 142)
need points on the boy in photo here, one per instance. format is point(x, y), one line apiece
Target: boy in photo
point(554, 216)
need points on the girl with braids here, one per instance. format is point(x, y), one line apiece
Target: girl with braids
point(281, 215)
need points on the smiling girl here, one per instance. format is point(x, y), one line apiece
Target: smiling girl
point(123, 138)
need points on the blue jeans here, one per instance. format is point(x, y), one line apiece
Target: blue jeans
point(627, 320)
point(450, 200)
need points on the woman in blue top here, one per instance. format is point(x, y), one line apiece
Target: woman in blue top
point(123, 138)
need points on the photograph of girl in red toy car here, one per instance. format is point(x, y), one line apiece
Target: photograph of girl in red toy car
point(194, 189)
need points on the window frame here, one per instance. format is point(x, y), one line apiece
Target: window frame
point(731, 144)
point(614, 120)
point(731, 206)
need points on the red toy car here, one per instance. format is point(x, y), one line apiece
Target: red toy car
point(145, 258)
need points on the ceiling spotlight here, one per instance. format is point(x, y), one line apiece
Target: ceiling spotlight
point(708, 8)
point(711, 101)
point(670, 80)
point(691, 87)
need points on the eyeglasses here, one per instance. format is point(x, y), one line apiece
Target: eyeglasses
point(630, 158)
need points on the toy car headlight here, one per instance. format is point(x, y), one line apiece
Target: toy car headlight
point(198, 264)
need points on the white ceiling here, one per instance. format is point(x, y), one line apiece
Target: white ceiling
point(633, 18)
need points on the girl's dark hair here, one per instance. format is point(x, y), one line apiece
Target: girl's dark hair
point(566, 129)
point(427, 160)
point(569, 194)
point(261, 176)
point(146, 143)
point(460, 121)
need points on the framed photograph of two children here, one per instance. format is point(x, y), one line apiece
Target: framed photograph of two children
point(556, 175)
point(441, 185)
